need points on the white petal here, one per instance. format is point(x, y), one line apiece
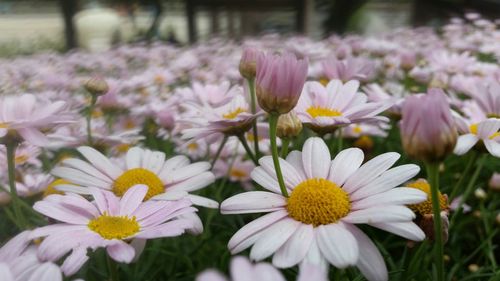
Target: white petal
point(387, 180)
point(290, 175)
point(253, 202)
point(370, 263)
point(121, 252)
point(100, 161)
point(465, 143)
point(295, 249)
point(273, 238)
point(316, 158)
point(194, 183)
point(345, 164)
point(395, 196)
point(260, 176)
point(295, 159)
point(337, 244)
point(134, 158)
point(202, 201)
point(493, 147)
point(380, 214)
point(408, 230)
point(370, 170)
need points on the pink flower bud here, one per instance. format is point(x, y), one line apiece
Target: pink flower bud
point(428, 130)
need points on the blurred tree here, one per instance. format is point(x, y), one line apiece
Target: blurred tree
point(69, 9)
point(340, 12)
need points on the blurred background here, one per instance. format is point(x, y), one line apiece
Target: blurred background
point(27, 26)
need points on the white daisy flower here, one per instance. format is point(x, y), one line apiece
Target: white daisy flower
point(327, 198)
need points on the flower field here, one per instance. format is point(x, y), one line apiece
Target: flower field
point(275, 158)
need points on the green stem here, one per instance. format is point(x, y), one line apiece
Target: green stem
point(251, 86)
point(285, 142)
point(112, 270)
point(468, 190)
point(247, 149)
point(219, 150)
point(487, 228)
point(273, 124)
point(16, 203)
point(339, 141)
point(465, 173)
point(89, 119)
point(433, 177)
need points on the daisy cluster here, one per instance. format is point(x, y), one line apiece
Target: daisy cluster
point(301, 156)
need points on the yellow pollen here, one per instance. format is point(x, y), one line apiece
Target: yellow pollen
point(192, 146)
point(318, 111)
point(138, 176)
point(233, 114)
point(122, 148)
point(114, 227)
point(317, 202)
point(425, 208)
point(357, 129)
point(51, 188)
point(21, 159)
point(324, 81)
point(473, 128)
point(238, 173)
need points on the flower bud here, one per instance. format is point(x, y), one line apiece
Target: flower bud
point(248, 62)
point(289, 125)
point(428, 130)
point(480, 194)
point(279, 81)
point(96, 86)
point(494, 183)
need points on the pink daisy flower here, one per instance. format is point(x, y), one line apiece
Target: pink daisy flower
point(25, 117)
point(242, 269)
point(485, 132)
point(108, 222)
point(317, 222)
point(324, 109)
point(19, 262)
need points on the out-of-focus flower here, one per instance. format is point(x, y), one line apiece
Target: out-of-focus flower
point(348, 69)
point(485, 132)
point(19, 262)
point(279, 82)
point(108, 222)
point(248, 62)
point(494, 183)
point(317, 223)
point(289, 125)
point(242, 269)
point(170, 179)
point(428, 130)
point(24, 118)
point(425, 217)
point(324, 109)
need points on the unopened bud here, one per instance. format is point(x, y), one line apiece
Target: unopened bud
point(248, 63)
point(289, 125)
point(480, 194)
point(494, 183)
point(96, 86)
point(473, 267)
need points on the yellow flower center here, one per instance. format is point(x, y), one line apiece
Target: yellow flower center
point(114, 227)
point(233, 114)
point(51, 188)
point(138, 176)
point(493, 115)
point(123, 147)
point(425, 207)
point(129, 124)
point(473, 128)
point(238, 173)
point(317, 202)
point(357, 129)
point(318, 111)
point(21, 159)
point(192, 146)
point(251, 137)
point(4, 126)
point(324, 81)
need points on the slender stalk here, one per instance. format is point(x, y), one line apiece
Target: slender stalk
point(465, 173)
point(247, 149)
point(273, 123)
point(433, 177)
point(487, 228)
point(112, 269)
point(219, 150)
point(339, 141)
point(251, 86)
point(89, 119)
point(469, 189)
point(11, 166)
point(285, 142)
